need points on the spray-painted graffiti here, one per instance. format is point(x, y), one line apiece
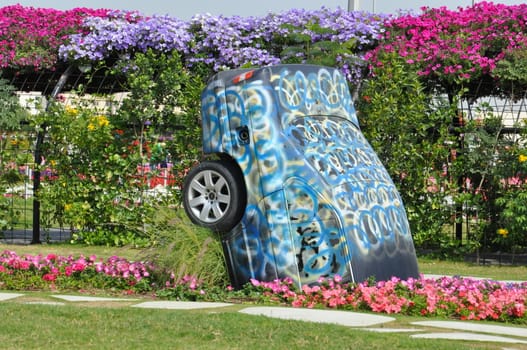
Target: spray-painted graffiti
point(319, 201)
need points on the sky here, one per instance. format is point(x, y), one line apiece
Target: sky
point(185, 9)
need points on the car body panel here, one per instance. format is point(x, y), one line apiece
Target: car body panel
point(319, 201)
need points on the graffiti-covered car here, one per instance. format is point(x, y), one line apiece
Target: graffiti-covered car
point(295, 189)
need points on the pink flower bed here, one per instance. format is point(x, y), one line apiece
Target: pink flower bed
point(113, 272)
point(454, 297)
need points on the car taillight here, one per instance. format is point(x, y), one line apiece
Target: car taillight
point(243, 76)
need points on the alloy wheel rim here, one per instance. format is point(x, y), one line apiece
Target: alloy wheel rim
point(209, 196)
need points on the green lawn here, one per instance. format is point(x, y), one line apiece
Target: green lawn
point(75, 326)
point(74, 249)
point(457, 268)
point(27, 323)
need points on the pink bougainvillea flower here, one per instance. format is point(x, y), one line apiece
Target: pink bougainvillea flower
point(31, 36)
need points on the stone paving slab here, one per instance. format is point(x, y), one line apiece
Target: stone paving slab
point(345, 318)
point(435, 277)
point(179, 305)
point(7, 296)
point(393, 330)
point(54, 303)
point(469, 337)
point(473, 327)
point(88, 298)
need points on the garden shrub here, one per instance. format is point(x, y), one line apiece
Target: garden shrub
point(13, 144)
point(93, 190)
point(463, 55)
point(98, 190)
point(162, 106)
point(408, 130)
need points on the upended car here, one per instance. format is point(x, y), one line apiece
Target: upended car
point(291, 184)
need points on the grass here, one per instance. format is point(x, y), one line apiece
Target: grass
point(459, 268)
point(74, 249)
point(37, 326)
point(26, 323)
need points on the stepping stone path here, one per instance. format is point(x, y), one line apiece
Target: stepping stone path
point(8, 296)
point(88, 298)
point(344, 318)
point(179, 305)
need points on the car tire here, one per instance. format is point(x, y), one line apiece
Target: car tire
point(214, 195)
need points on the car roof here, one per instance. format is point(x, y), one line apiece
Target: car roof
point(227, 76)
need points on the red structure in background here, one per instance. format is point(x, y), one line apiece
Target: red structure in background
point(154, 177)
point(158, 176)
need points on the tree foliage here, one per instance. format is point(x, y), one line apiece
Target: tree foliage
point(10, 110)
point(409, 131)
